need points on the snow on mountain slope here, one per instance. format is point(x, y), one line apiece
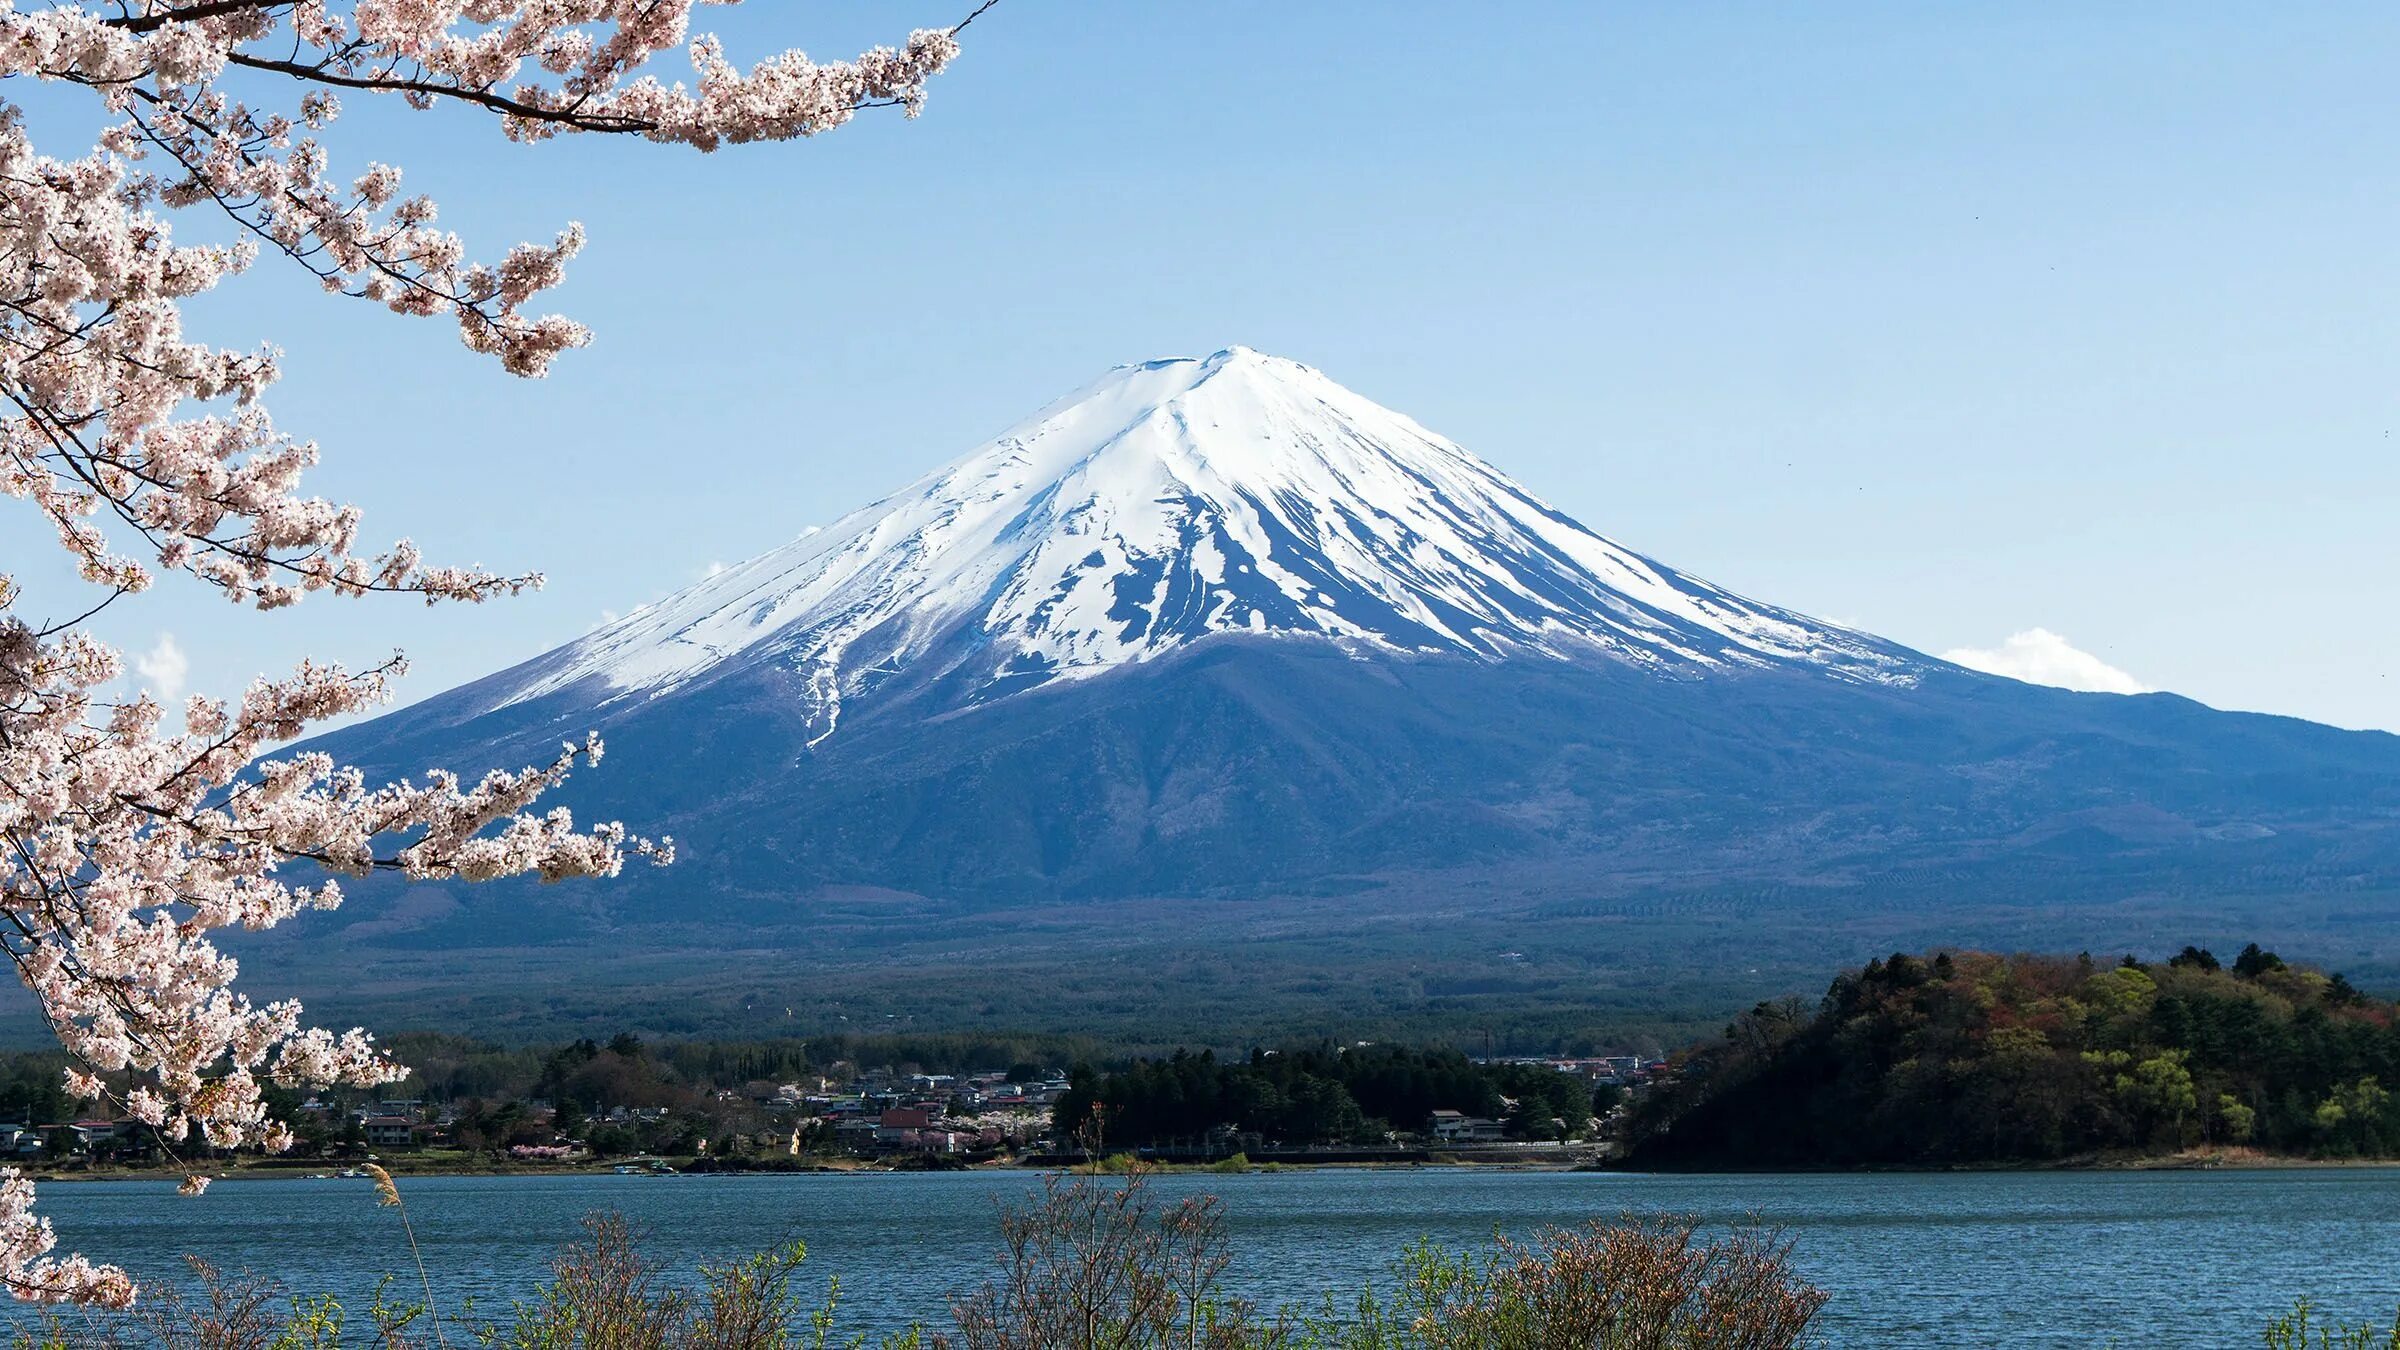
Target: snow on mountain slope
point(1176, 500)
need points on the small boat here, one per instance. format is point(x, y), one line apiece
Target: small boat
point(350, 1174)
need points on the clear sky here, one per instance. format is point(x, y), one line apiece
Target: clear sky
point(1950, 322)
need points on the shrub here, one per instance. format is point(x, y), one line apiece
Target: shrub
point(1091, 1265)
point(1637, 1283)
point(605, 1294)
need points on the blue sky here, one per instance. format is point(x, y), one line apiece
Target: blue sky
point(1949, 322)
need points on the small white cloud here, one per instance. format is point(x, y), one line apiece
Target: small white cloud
point(164, 668)
point(713, 569)
point(2039, 656)
point(607, 617)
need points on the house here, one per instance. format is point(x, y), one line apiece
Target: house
point(389, 1131)
point(1452, 1127)
point(899, 1125)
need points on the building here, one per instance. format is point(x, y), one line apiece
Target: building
point(389, 1131)
point(1452, 1127)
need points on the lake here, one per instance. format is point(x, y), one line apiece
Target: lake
point(2045, 1258)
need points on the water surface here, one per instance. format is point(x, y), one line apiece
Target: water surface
point(2046, 1258)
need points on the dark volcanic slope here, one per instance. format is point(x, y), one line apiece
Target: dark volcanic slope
point(1248, 766)
point(1409, 818)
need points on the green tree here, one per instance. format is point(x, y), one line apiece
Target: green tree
point(2159, 1094)
point(2351, 1118)
point(2253, 962)
point(2236, 1120)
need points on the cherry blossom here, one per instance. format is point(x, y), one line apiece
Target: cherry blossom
point(144, 451)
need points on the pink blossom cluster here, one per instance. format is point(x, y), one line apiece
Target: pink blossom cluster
point(36, 1276)
point(543, 66)
point(142, 450)
point(127, 846)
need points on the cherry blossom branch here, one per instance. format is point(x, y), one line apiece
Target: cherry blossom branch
point(150, 23)
point(124, 848)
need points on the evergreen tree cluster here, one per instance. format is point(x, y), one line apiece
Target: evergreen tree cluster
point(33, 1089)
point(1973, 1057)
point(1321, 1094)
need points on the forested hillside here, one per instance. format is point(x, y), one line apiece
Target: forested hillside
point(1972, 1057)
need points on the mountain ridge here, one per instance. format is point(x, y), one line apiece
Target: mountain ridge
point(1436, 720)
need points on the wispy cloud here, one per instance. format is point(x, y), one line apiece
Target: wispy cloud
point(2039, 656)
point(164, 668)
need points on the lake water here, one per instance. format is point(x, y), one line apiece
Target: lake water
point(2056, 1258)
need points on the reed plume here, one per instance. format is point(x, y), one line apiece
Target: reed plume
point(387, 1192)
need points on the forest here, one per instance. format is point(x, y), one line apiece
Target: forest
point(1972, 1057)
point(1320, 1094)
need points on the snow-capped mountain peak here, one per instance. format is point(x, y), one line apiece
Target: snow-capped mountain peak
point(1172, 502)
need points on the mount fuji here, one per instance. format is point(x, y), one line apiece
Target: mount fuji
point(1216, 656)
point(1169, 503)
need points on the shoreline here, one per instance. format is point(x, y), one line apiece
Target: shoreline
point(2244, 1160)
point(2215, 1161)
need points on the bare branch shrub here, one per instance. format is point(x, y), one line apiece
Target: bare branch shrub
point(606, 1294)
point(1095, 1265)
